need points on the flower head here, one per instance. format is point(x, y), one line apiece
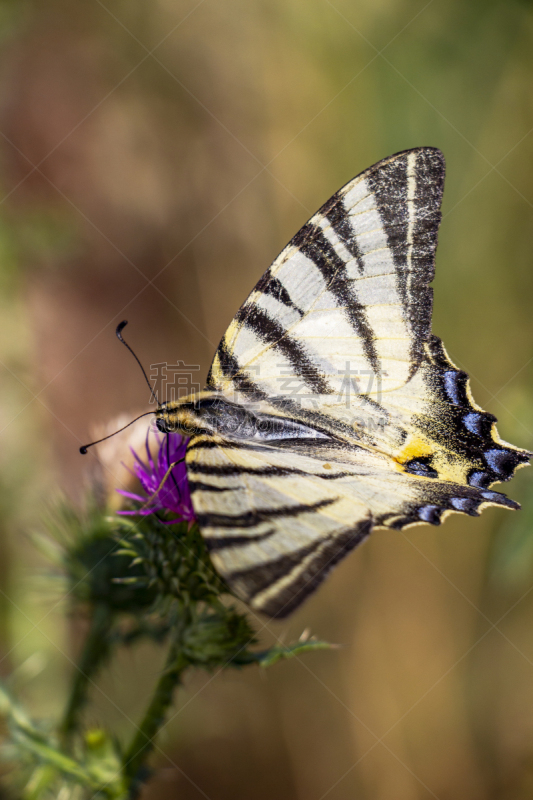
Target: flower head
point(163, 478)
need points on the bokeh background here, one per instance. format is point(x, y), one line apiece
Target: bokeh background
point(155, 156)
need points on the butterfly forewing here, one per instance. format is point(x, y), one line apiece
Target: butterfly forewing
point(347, 301)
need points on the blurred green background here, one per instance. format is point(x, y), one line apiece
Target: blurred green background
point(155, 157)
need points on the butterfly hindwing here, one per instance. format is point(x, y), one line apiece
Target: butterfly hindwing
point(277, 517)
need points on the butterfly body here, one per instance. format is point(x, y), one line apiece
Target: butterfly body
point(330, 407)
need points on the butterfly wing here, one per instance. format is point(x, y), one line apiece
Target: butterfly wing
point(277, 517)
point(349, 293)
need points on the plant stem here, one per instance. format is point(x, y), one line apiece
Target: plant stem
point(95, 650)
point(143, 740)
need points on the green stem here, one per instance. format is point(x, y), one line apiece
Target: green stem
point(95, 650)
point(143, 740)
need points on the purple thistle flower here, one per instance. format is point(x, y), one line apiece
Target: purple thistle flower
point(171, 494)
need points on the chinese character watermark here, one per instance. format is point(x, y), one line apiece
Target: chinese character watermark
point(175, 381)
point(352, 396)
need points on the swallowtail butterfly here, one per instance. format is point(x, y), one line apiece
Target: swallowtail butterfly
point(330, 408)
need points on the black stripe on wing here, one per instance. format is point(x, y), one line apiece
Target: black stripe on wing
point(257, 447)
point(236, 470)
point(342, 226)
point(389, 183)
point(273, 333)
point(429, 187)
point(251, 519)
point(313, 244)
point(269, 284)
point(430, 171)
point(214, 543)
point(231, 370)
point(329, 551)
point(200, 486)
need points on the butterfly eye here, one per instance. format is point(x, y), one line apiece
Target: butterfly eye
point(162, 425)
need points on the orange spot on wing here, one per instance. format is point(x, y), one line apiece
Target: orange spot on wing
point(415, 448)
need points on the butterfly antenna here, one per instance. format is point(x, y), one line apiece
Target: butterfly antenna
point(119, 330)
point(85, 447)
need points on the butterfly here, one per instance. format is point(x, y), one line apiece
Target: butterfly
point(330, 407)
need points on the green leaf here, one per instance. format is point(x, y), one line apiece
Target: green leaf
point(97, 769)
point(266, 658)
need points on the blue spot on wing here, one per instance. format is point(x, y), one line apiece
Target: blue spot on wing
point(467, 505)
point(430, 514)
point(455, 386)
point(473, 423)
point(501, 499)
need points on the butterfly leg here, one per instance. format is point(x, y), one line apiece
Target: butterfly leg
point(168, 474)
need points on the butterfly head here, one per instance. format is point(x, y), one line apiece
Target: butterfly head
point(185, 416)
point(174, 418)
